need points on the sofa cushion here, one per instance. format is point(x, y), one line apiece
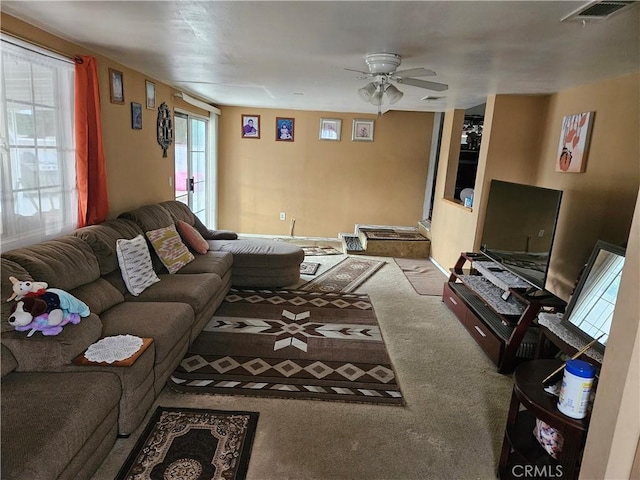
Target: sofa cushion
point(135, 264)
point(99, 295)
point(9, 269)
point(192, 237)
point(193, 289)
point(165, 322)
point(149, 217)
point(169, 247)
point(260, 253)
point(212, 262)
point(65, 262)
point(102, 240)
point(40, 353)
point(48, 418)
point(8, 362)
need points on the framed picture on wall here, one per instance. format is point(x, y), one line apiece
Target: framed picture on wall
point(574, 142)
point(136, 116)
point(330, 129)
point(116, 86)
point(284, 129)
point(250, 126)
point(362, 130)
point(150, 89)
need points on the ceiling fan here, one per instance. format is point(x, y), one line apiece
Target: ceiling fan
point(382, 67)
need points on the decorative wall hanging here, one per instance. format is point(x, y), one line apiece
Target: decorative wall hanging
point(574, 142)
point(165, 128)
point(362, 130)
point(250, 126)
point(116, 86)
point(150, 89)
point(136, 116)
point(330, 129)
point(284, 129)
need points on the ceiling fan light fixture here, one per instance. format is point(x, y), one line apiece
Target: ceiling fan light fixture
point(376, 98)
point(366, 92)
point(393, 94)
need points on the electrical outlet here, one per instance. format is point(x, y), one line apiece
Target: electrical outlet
point(283, 216)
point(541, 233)
point(171, 181)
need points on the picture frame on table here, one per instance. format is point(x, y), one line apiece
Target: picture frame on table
point(136, 116)
point(150, 91)
point(362, 130)
point(250, 126)
point(330, 129)
point(284, 129)
point(116, 86)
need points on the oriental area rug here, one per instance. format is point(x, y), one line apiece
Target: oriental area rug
point(291, 344)
point(345, 276)
point(184, 443)
point(424, 276)
point(320, 250)
point(393, 235)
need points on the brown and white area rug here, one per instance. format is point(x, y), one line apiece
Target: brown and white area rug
point(393, 235)
point(309, 268)
point(183, 443)
point(291, 344)
point(345, 276)
point(424, 276)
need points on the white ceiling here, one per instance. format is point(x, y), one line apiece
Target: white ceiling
point(293, 55)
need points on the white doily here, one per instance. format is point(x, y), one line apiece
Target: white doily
point(113, 349)
point(552, 322)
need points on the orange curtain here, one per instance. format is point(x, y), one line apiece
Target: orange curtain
point(93, 203)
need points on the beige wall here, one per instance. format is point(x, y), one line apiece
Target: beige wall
point(520, 145)
point(326, 186)
point(137, 174)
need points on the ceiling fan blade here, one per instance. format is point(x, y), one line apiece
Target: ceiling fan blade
point(438, 87)
point(414, 72)
point(358, 71)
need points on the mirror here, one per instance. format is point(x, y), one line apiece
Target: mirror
point(590, 309)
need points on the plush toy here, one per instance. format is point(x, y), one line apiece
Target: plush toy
point(21, 289)
point(48, 312)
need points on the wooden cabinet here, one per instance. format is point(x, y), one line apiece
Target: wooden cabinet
point(522, 456)
point(501, 327)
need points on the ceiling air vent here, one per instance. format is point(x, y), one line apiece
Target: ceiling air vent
point(598, 11)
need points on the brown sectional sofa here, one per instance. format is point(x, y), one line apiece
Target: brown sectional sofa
point(59, 420)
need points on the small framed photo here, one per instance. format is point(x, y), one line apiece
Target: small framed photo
point(116, 86)
point(250, 126)
point(284, 129)
point(136, 116)
point(330, 129)
point(362, 130)
point(150, 89)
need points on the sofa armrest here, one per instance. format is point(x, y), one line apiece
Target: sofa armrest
point(220, 235)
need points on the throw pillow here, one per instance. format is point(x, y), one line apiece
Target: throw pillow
point(169, 247)
point(192, 237)
point(135, 264)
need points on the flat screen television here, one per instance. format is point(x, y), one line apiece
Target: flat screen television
point(519, 228)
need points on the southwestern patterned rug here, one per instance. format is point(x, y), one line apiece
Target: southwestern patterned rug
point(291, 344)
point(345, 276)
point(393, 235)
point(424, 276)
point(181, 443)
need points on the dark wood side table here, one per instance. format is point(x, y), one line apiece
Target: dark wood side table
point(521, 451)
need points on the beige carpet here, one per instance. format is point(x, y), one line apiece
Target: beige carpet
point(451, 427)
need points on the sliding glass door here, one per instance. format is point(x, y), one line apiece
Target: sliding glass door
point(191, 163)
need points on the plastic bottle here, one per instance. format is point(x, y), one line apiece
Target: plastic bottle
point(576, 388)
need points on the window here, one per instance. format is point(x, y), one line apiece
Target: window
point(38, 184)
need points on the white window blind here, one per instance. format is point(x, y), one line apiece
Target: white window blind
point(38, 183)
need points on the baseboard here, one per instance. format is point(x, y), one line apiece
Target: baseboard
point(443, 270)
point(295, 237)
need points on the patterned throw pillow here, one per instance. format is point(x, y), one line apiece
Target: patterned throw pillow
point(169, 247)
point(192, 237)
point(135, 264)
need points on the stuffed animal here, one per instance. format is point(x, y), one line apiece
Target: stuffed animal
point(47, 312)
point(21, 289)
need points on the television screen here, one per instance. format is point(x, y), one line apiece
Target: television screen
point(519, 227)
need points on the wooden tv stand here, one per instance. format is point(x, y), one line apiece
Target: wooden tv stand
point(501, 327)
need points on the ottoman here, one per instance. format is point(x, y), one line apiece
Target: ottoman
point(261, 263)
